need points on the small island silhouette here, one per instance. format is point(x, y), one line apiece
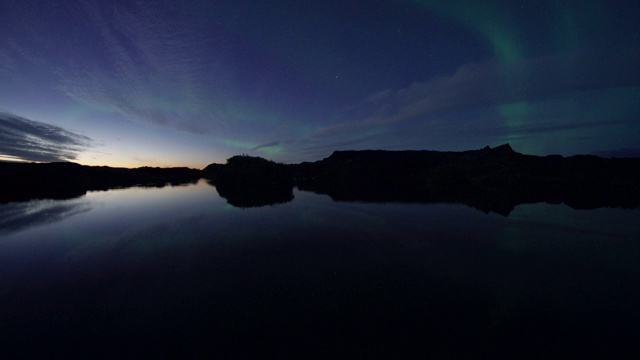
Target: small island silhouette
point(489, 179)
point(247, 181)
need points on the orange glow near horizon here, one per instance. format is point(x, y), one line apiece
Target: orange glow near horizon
point(137, 164)
point(132, 162)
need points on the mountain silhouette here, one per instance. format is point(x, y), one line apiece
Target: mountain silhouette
point(489, 179)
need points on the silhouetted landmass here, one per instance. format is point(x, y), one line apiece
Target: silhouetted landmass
point(26, 181)
point(246, 197)
point(249, 171)
point(247, 181)
point(211, 170)
point(488, 179)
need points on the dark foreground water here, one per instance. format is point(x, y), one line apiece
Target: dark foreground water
point(177, 271)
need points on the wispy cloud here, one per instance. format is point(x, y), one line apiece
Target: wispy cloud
point(155, 69)
point(266, 145)
point(24, 139)
point(475, 86)
point(7, 64)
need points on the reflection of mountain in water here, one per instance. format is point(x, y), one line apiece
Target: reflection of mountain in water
point(255, 196)
point(481, 199)
point(24, 182)
point(247, 181)
point(488, 179)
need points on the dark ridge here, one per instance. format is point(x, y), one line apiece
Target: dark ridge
point(211, 170)
point(247, 181)
point(65, 180)
point(490, 179)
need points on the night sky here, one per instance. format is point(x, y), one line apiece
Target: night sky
point(164, 83)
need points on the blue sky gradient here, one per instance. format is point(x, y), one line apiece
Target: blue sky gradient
point(161, 83)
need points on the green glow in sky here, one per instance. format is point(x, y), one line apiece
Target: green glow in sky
point(515, 112)
point(497, 28)
point(492, 24)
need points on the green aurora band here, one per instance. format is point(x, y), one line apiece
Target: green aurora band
point(501, 31)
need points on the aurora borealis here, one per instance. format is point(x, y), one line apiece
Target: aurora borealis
point(161, 83)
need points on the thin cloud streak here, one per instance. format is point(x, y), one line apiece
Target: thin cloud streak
point(151, 72)
point(448, 106)
point(475, 86)
point(31, 140)
point(265, 145)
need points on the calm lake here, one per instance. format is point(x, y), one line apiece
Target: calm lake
point(178, 271)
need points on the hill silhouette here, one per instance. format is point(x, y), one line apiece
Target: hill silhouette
point(65, 180)
point(248, 181)
point(489, 179)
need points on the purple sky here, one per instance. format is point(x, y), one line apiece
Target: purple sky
point(160, 83)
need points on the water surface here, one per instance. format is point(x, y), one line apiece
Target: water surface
point(177, 270)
